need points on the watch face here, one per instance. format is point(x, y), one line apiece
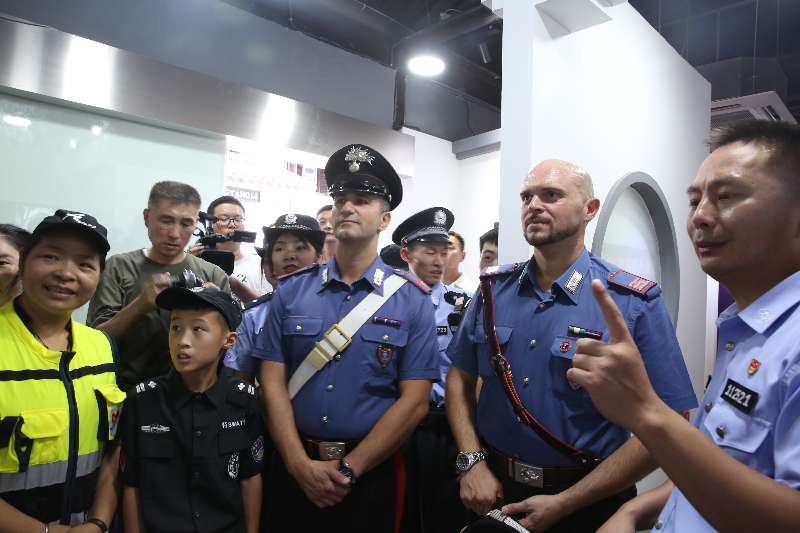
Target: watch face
point(462, 461)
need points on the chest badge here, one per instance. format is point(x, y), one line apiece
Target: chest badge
point(755, 364)
point(565, 346)
point(385, 354)
point(574, 281)
point(739, 396)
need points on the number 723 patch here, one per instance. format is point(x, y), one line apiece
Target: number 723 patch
point(739, 396)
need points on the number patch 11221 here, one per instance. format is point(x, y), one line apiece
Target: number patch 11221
point(739, 396)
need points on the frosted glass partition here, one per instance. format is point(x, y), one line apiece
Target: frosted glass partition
point(59, 157)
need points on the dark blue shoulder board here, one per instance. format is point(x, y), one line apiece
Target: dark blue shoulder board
point(413, 279)
point(313, 267)
point(258, 301)
point(499, 270)
point(241, 392)
point(632, 283)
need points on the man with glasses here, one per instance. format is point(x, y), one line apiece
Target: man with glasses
point(247, 280)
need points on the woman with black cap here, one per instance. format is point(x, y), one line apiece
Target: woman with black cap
point(292, 243)
point(59, 399)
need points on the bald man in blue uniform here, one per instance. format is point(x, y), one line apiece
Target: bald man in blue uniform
point(578, 468)
point(340, 430)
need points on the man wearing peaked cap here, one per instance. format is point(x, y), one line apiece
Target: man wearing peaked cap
point(425, 246)
point(349, 354)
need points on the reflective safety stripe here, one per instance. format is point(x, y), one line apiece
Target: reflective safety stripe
point(48, 474)
point(25, 375)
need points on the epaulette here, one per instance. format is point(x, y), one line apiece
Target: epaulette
point(241, 393)
point(258, 301)
point(145, 386)
point(631, 282)
point(299, 271)
point(413, 279)
point(498, 270)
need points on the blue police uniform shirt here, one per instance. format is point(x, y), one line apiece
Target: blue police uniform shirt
point(239, 356)
point(346, 398)
point(441, 310)
point(531, 327)
point(750, 409)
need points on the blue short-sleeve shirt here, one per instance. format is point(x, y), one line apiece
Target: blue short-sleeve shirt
point(444, 334)
point(346, 398)
point(751, 408)
point(531, 327)
point(240, 355)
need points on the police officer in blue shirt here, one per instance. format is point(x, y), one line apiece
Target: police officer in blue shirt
point(292, 243)
point(552, 457)
point(425, 246)
point(359, 376)
point(738, 468)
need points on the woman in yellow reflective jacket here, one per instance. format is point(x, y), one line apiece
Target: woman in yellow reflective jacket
point(59, 400)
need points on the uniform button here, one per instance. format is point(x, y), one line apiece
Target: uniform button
point(386, 337)
point(721, 431)
point(329, 388)
point(298, 327)
point(348, 297)
point(519, 420)
point(198, 433)
point(541, 305)
point(525, 381)
point(325, 419)
point(337, 356)
point(533, 343)
point(658, 524)
point(730, 346)
point(707, 407)
point(197, 514)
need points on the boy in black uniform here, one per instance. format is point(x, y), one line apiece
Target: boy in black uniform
point(193, 439)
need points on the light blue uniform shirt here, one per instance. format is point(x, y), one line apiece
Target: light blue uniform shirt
point(441, 310)
point(767, 438)
point(531, 327)
point(239, 356)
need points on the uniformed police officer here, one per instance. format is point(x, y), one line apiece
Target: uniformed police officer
point(425, 246)
point(542, 435)
point(292, 243)
point(738, 468)
point(356, 342)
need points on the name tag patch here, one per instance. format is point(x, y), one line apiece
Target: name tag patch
point(739, 396)
point(442, 330)
point(230, 424)
point(155, 428)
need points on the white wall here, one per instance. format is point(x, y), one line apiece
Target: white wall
point(613, 98)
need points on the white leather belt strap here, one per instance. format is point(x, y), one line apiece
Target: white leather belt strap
point(339, 336)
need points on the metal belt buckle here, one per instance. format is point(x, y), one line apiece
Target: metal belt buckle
point(530, 475)
point(329, 451)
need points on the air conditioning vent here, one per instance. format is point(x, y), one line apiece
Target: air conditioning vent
point(767, 106)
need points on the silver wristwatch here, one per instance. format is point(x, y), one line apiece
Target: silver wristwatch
point(466, 460)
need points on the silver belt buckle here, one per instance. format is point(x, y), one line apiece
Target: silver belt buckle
point(329, 450)
point(532, 476)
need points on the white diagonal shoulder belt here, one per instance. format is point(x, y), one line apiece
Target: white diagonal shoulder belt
point(339, 336)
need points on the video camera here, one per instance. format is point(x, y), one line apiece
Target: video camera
point(185, 280)
point(209, 240)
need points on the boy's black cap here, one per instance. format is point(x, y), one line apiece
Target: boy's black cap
point(359, 168)
point(429, 225)
point(302, 224)
point(64, 218)
point(199, 297)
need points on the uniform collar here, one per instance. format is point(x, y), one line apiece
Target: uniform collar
point(769, 307)
point(571, 282)
point(375, 275)
point(180, 395)
point(437, 291)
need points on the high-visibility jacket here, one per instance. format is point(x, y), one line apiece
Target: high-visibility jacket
point(57, 410)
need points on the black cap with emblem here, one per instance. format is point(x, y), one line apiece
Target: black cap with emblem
point(201, 297)
point(304, 225)
point(87, 224)
point(359, 168)
point(429, 225)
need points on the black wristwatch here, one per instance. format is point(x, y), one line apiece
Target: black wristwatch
point(466, 460)
point(344, 469)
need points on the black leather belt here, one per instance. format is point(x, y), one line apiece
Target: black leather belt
point(547, 478)
point(327, 449)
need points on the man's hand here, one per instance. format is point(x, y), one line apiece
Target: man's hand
point(196, 249)
point(541, 512)
point(151, 289)
point(613, 373)
point(322, 482)
point(479, 488)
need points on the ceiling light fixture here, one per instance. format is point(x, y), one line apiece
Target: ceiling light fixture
point(426, 65)
point(16, 120)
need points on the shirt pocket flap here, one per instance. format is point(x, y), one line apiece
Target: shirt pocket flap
point(112, 393)
point(564, 347)
point(109, 407)
point(732, 429)
point(44, 423)
point(503, 334)
point(302, 325)
point(156, 445)
point(384, 335)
